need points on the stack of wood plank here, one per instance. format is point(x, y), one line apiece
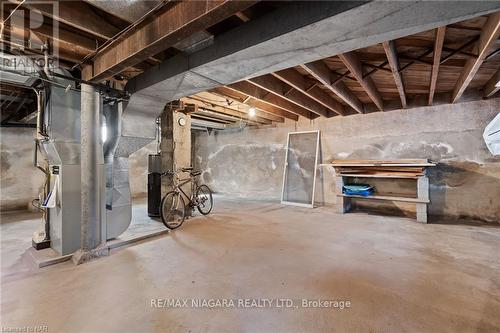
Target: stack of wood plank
point(405, 168)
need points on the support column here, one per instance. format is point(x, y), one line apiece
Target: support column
point(175, 142)
point(91, 162)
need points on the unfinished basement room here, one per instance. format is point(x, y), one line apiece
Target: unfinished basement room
point(250, 166)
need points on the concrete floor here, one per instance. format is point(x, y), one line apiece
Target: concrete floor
point(400, 276)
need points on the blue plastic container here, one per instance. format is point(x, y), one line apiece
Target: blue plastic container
point(358, 189)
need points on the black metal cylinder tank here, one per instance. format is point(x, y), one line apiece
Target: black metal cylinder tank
point(154, 185)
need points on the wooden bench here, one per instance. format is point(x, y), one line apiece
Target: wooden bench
point(393, 169)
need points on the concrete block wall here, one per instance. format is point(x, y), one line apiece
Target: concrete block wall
point(466, 183)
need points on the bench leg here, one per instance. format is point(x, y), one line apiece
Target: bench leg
point(422, 213)
point(422, 194)
point(343, 205)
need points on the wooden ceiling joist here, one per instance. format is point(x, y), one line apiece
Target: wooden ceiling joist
point(227, 99)
point(75, 14)
point(158, 33)
point(438, 47)
point(492, 86)
point(297, 81)
point(265, 96)
point(392, 56)
point(252, 102)
point(205, 102)
point(208, 114)
point(215, 118)
point(322, 73)
point(278, 87)
point(44, 30)
point(489, 35)
point(76, 34)
point(65, 50)
point(352, 62)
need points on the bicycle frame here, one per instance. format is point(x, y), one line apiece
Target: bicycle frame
point(182, 182)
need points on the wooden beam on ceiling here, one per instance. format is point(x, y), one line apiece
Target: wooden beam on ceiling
point(265, 96)
point(238, 103)
point(77, 14)
point(488, 37)
point(414, 60)
point(44, 29)
point(492, 86)
point(438, 47)
point(352, 62)
point(278, 87)
point(212, 116)
point(219, 113)
point(65, 50)
point(204, 100)
point(69, 44)
point(270, 109)
point(73, 37)
point(322, 73)
point(392, 56)
point(158, 33)
point(296, 80)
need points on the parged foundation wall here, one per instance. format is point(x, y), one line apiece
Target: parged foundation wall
point(466, 182)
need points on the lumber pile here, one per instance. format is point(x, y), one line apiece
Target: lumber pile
point(405, 168)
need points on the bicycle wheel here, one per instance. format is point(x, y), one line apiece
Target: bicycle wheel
point(172, 210)
point(204, 199)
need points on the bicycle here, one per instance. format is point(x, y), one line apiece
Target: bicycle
point(173, 206)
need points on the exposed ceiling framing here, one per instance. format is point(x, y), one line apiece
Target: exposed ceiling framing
point(156, 34)
point(117, 41)
point(390, 75)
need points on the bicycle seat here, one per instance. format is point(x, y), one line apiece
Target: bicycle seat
point(195, 173)
point(187, 169)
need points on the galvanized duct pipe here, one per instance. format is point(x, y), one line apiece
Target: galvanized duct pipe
point(129, 127)
point(118, 196)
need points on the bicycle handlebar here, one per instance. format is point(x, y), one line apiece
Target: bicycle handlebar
point(173, 173)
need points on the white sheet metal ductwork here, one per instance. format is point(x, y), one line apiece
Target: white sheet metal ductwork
point(62, 149)
point(116, 152)
point(127, 132)
point(17, 70)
